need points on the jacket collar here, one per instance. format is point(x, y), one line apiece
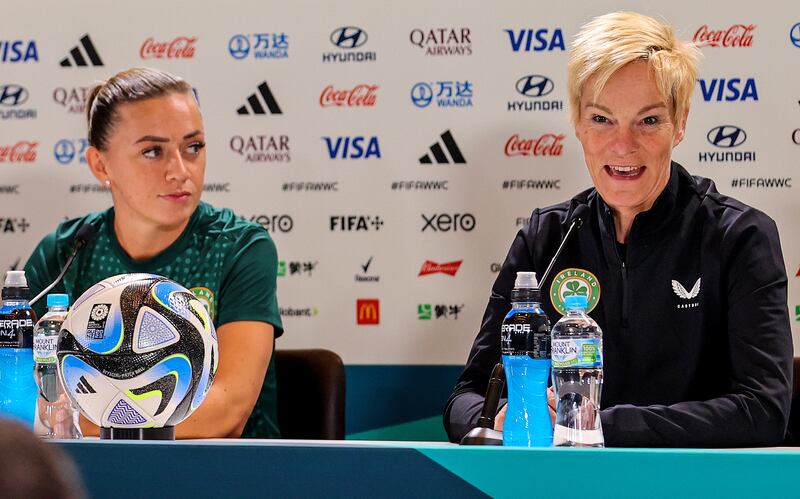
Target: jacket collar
point(651, 225)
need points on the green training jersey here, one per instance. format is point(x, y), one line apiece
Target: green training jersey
point(230, 264)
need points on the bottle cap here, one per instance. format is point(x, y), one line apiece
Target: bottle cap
point(16, 279)
point(576, 301)
point(526, 280)
point(57, 300)
point(16, 286)
point(526, 289)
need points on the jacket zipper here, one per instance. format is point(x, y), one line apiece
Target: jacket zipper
point(624, 276)
point(624, 296)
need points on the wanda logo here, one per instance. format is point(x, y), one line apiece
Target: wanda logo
point(737, 35)
point(359, 96)
point(181, 47)
point(23, 151)
point(548, 144)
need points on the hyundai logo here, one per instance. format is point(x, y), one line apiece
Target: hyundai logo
point(349, 37)
point(794, 35)
point(12, 95)
point(535, 86)
point(726, 136)
point(796, 136)
point(239, 46)
point(421, 94)
point(64, 151)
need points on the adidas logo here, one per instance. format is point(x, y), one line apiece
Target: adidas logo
point(255, 105)
point(84, 386)
point(76, 57)
point(438, 152)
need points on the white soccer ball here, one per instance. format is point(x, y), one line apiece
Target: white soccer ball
point(137, 351)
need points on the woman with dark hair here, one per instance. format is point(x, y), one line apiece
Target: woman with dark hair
point(147, 146)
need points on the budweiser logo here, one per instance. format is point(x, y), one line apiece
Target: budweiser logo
point(548, 144)
point(179, 48)
point(737, 35)
point(360, 95)
point(22, 152)
point(449, 268)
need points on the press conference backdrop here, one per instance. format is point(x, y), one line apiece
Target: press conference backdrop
point(392, 150)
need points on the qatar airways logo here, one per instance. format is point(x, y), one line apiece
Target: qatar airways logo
point(362, 95)
point(449, 268)
point(182, 47)
point(548, 144)
point(442, 41)
point(23, 151)
point(738, 35)
point(73, 99)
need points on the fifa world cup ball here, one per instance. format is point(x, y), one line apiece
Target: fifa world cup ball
point(137, 351)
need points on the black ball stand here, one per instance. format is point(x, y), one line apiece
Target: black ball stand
point(165, 433)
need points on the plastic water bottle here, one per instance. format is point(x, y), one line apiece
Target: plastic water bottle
point(525, 344)
point(57, 417)
point(577, 377)
point(17, 386)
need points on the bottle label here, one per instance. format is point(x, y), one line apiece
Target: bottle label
point(44, 349)
point(526, 332)
point(574, 352)
point(13, 329)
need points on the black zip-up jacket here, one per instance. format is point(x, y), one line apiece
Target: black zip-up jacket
point(708, 371)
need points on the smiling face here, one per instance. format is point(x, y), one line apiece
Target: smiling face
point(155, 161)
point(628, 135)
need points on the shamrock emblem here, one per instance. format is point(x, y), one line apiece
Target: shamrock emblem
point(575, 288)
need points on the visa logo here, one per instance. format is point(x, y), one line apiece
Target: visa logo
point(720, 89)
point(352, 147)
point(18, 51)
point(538, 40)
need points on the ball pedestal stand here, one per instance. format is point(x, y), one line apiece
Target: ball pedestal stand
point(165, 433)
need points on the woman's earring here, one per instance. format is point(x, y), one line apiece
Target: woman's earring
point(108, 183)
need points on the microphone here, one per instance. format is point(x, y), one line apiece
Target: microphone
point(84, 236)
point(577, 220)
point(484, 433)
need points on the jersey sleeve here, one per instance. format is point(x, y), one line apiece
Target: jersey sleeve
point(248, 291)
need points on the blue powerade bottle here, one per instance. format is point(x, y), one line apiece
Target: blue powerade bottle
point(525, 343)
point(18, 389)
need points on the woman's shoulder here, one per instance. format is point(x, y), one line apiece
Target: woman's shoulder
point(225, 223)
point(66, 231)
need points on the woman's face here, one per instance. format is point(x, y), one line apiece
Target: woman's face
point(155, 160)
point(627, 136)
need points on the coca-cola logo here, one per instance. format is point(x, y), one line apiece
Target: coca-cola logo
point(362, 95)
point(549, 144)
point(181, 47)
point(738, 35)
point(23, 151)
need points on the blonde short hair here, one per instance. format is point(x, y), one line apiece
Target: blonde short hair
point(607, 43)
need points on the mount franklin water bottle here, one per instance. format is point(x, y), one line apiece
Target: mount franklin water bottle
point(525, 345)
point(57, 417)
point(577, 349)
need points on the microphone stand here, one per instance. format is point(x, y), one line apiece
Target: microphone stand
point(484, 433)
point(576, 224)
point(84, 235)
